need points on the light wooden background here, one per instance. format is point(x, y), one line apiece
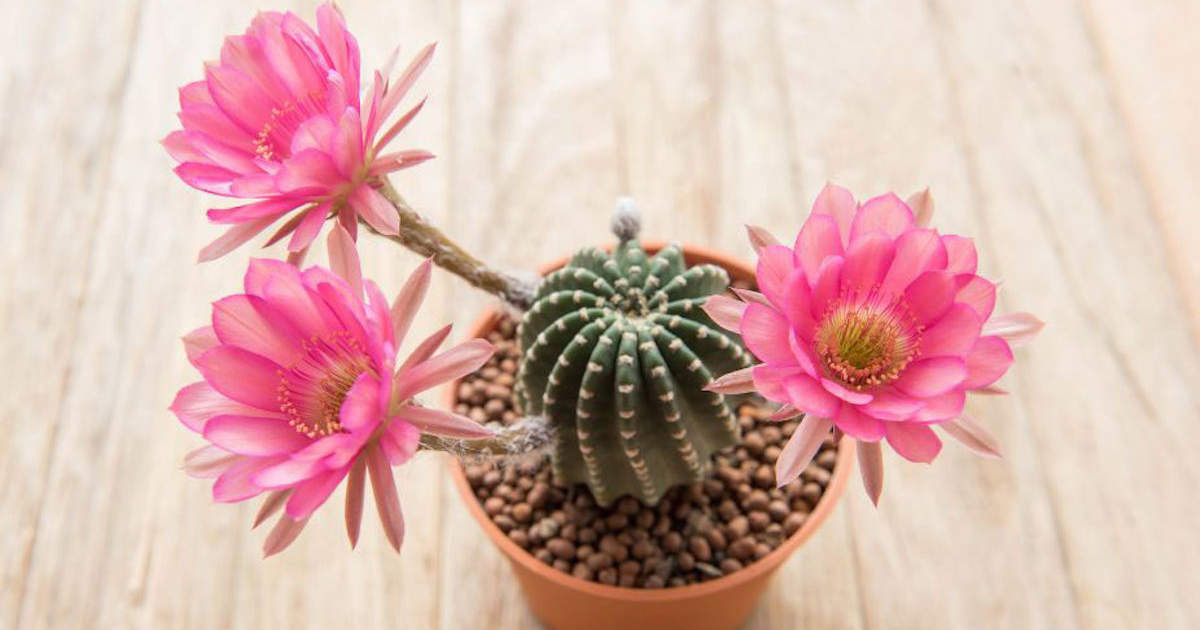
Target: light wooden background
point(1063, 134)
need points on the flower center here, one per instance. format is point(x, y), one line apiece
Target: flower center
point(312, 390)
point(274, 139)
point(866, 342)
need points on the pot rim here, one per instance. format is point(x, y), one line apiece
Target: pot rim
point(759, 568)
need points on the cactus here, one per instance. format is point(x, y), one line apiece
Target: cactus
point(617, 352)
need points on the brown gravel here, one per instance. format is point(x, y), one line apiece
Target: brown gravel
point(731, 519)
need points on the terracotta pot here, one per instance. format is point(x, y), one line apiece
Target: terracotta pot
point(564, 602)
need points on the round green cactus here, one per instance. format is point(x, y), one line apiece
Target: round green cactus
point(617, 352)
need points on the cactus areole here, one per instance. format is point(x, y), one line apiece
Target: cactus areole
point(617, 352)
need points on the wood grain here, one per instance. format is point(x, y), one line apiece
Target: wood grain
point(1060, 133)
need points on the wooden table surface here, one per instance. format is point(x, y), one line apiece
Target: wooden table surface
point(1062, 134)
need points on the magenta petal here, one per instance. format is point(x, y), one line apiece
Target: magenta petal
point(343, 258)
point(361, 407)
point(892, 406)
point(807, 394)
point(251, 323)
point(252, 211)
point(289, 472)
point(386, 500)
point(987, 362)
point(802, 353)
point(438, 422)
point(309, 495)
point(827, 284)
point(858, 425)
point(943, 407)
point(952, 335)
point(309, 227)
point(770, 381)
point(775, 264)
point(980, 295)
point(930, 295)
point(242, 375)
point(797, 303)
point(932, 377)
point(237, 483)
point(867, 261)
point(399, 442)
point(408, 300)
point(354, 499)
point(961, 256)
point(917, 251)
point(725, 311)
point(818, 240)
point(310, 170)
point(914, 442)
point(800, 449)
point(846, 394)
point(838, 203)
point(765, 333)
point(261, 270)
point(250, 435)
point(885, 214)
point(206, 177)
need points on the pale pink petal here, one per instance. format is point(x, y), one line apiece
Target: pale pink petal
point(426, 348)
point(931, 377)
point(818, 240)
point(725, 311)
point(952, 335)
point(921, 204)
point(270, 506)
point(980, 295)
point(760, 238)
point(408, 300)
point(961, 256)
point(973, 436)
point(750, 296)
point(765, 333)
point(775, 264)
point(987, 362)
point(867, 261)
point(398, 160)
point(807, 394)
point(354, 499)
point(800, 449)
point(736, 382)
point(399, 441)
point(396, 92)
point(1017, 328)
point(941, 408)
point(209, 461)
point(990, 390)
point(206, 177)
point(234, 237)
point(283, 534)
point(770, 381)
point(376, 210)
point(838, 203)
point(399, 125)
point(387, 502)
point(438, 422)
point(198, 342)
point(884, 214)
point(870, 465)
point(249, 435)
point(311, 494)
point(443, 368)
point(343, 258)
point(785, 412)
point(237, 484)
point(252, 211)
point(914, 442)
point(851, 396)
point(858, 425)
point(262, 270)
point(242, 375)
point(917, 251)
point(289, 472)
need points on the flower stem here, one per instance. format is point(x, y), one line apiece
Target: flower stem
point(420, 236)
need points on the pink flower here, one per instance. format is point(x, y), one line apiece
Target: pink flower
point(301, 391)
point(278, 119)
point(873, 324)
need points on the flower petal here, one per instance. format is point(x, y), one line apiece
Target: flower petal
point(765, 333)
point(283, 534)
point(930, 295)
point(250, 435)
point(245, 377)
point(235, 236)
point(237, 482)
point(987, 362)
point(438, 422)
point(311, 494)
point(941, 408)
point(961, 256)
point(736, 382)
point(867, 261)
point(801, 449)
point(917, 251)
point(443, 368)
point(725, 311)
point(270, 506)
point(354, 499)
point(818, 240)
point(807, 394)
point(209, 461)
point(387, 502)
point(846, 394)
point(973, 436)
point(892, 406)
point(408, 300)
point(400, 441)
point(343, 258)
point(921, 204)
point(426, 348)
point(838, 203)
point(885, 214)
point(870, 464)
point(254, 324)
point(953, 335)
point(932, 377)
point(859, 425)
point(980, 295)
point(1017, 328)
point(914, 442)
point(376, 210)
point(760, 238)
point(775, 264)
